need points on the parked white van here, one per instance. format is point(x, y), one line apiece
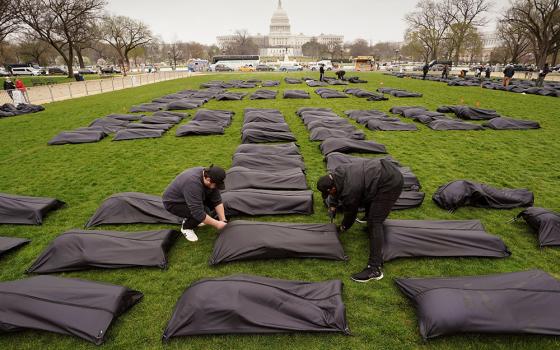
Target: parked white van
point(25, 71)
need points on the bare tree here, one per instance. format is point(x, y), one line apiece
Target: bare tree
point(359, 47)
point(174, 53)
point(8, 24)
point(429, 25)
point(463, 15)
point(242, 44)
point(58, 22)
point(124, 34)
point(515, 40)
point(37, 51)
point(313, 48)
point(541, 20)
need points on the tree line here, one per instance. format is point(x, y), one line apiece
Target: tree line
point(44, 31)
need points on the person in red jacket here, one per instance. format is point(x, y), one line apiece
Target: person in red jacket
point(21, 87)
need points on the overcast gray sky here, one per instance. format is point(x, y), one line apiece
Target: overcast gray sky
point(202, 21)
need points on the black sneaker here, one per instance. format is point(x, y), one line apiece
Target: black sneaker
point(368, 274)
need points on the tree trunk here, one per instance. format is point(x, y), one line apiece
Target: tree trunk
point(70, 61)
point(80, 58)
point(554, 58)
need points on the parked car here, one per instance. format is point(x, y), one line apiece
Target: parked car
point(264, 68)
point(25, 71)
point(222, 68)
point(291, 68)
point(327, 65)
point(247, 68)
point(4, 72)
point(56, 70)
point(110, 70)
point(87, 71)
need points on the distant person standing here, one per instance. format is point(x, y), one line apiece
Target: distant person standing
point(21, 87)
point(425, 71)
point(542, 74)
point(9, 86)
point(509, 71)
point(321, 72)
point(488, 71)
point(445, 72)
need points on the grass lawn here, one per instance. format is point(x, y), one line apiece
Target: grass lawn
point(378, 315)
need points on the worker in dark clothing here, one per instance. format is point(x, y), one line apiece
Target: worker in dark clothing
point(321, 72)
point(425, 71)
point(542, 74)
point(191, 193)
point(509, 71)
point(445, 72)
point(488, 71)
point(9, 86)
point(340, 74)
point(374, 184)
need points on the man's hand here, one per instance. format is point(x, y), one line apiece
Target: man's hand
point(221, 224)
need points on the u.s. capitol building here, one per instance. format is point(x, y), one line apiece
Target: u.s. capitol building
point(280, 41)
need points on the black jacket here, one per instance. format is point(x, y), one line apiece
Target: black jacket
point(358, 183)
point(9, 85)
point(321, 69)
point(189, 188)
point(509, 72)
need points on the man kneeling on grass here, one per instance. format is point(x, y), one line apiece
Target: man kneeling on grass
point(374, 184)
point(191, 193)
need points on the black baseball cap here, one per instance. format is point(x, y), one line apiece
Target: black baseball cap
point(217, 175)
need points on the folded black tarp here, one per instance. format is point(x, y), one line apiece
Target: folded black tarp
point(250, 304)
point(170, 114)
point(26, 210)
point(448, 124)
point(270, 83)
point(296, 94)
point(416, 112)
point(263, 117)
point(292, 81)
point(519, 302)
point(470, 113)
point(126, 117)
point(251, 240)
point(461, 193)
point(330, 93)
point(135, 134)
point(302, 110)
point(264, 95)
point(504, 123)
point(230, 96)
point(214, 115)
point(9, 243)
point(280, 149)
point(371, 96)
point(440, 238)
point(545, 222)
point(268, 162)
point(322, 133)
point(78, 136)
point(264, 126)
point(150, 126)
point(344, 145)
point(356, 80)
point(409, 200)
point(195, 127)
point(183, 104)
point(157, 119)
point(398, 92)
point(109, 124)
point(364, 116)
point(132, 208)
point(240, 177)
point(267, 202)
point(9, 110)
point(81, 250)
point(333, 81)
point(400, 109)
point(63, 305)
point(147, 107)
point(315, 83)
point(261, 136)
point(383, 125)
point(337, 123)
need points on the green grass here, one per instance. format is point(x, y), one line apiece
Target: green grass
point(379, 316)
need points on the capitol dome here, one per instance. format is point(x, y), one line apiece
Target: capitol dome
point(280, 23)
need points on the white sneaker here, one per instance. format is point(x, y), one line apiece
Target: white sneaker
point(201, 224)
point(189, 235)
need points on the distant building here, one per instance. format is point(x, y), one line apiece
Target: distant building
point(490, 41)
point(280, 41)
